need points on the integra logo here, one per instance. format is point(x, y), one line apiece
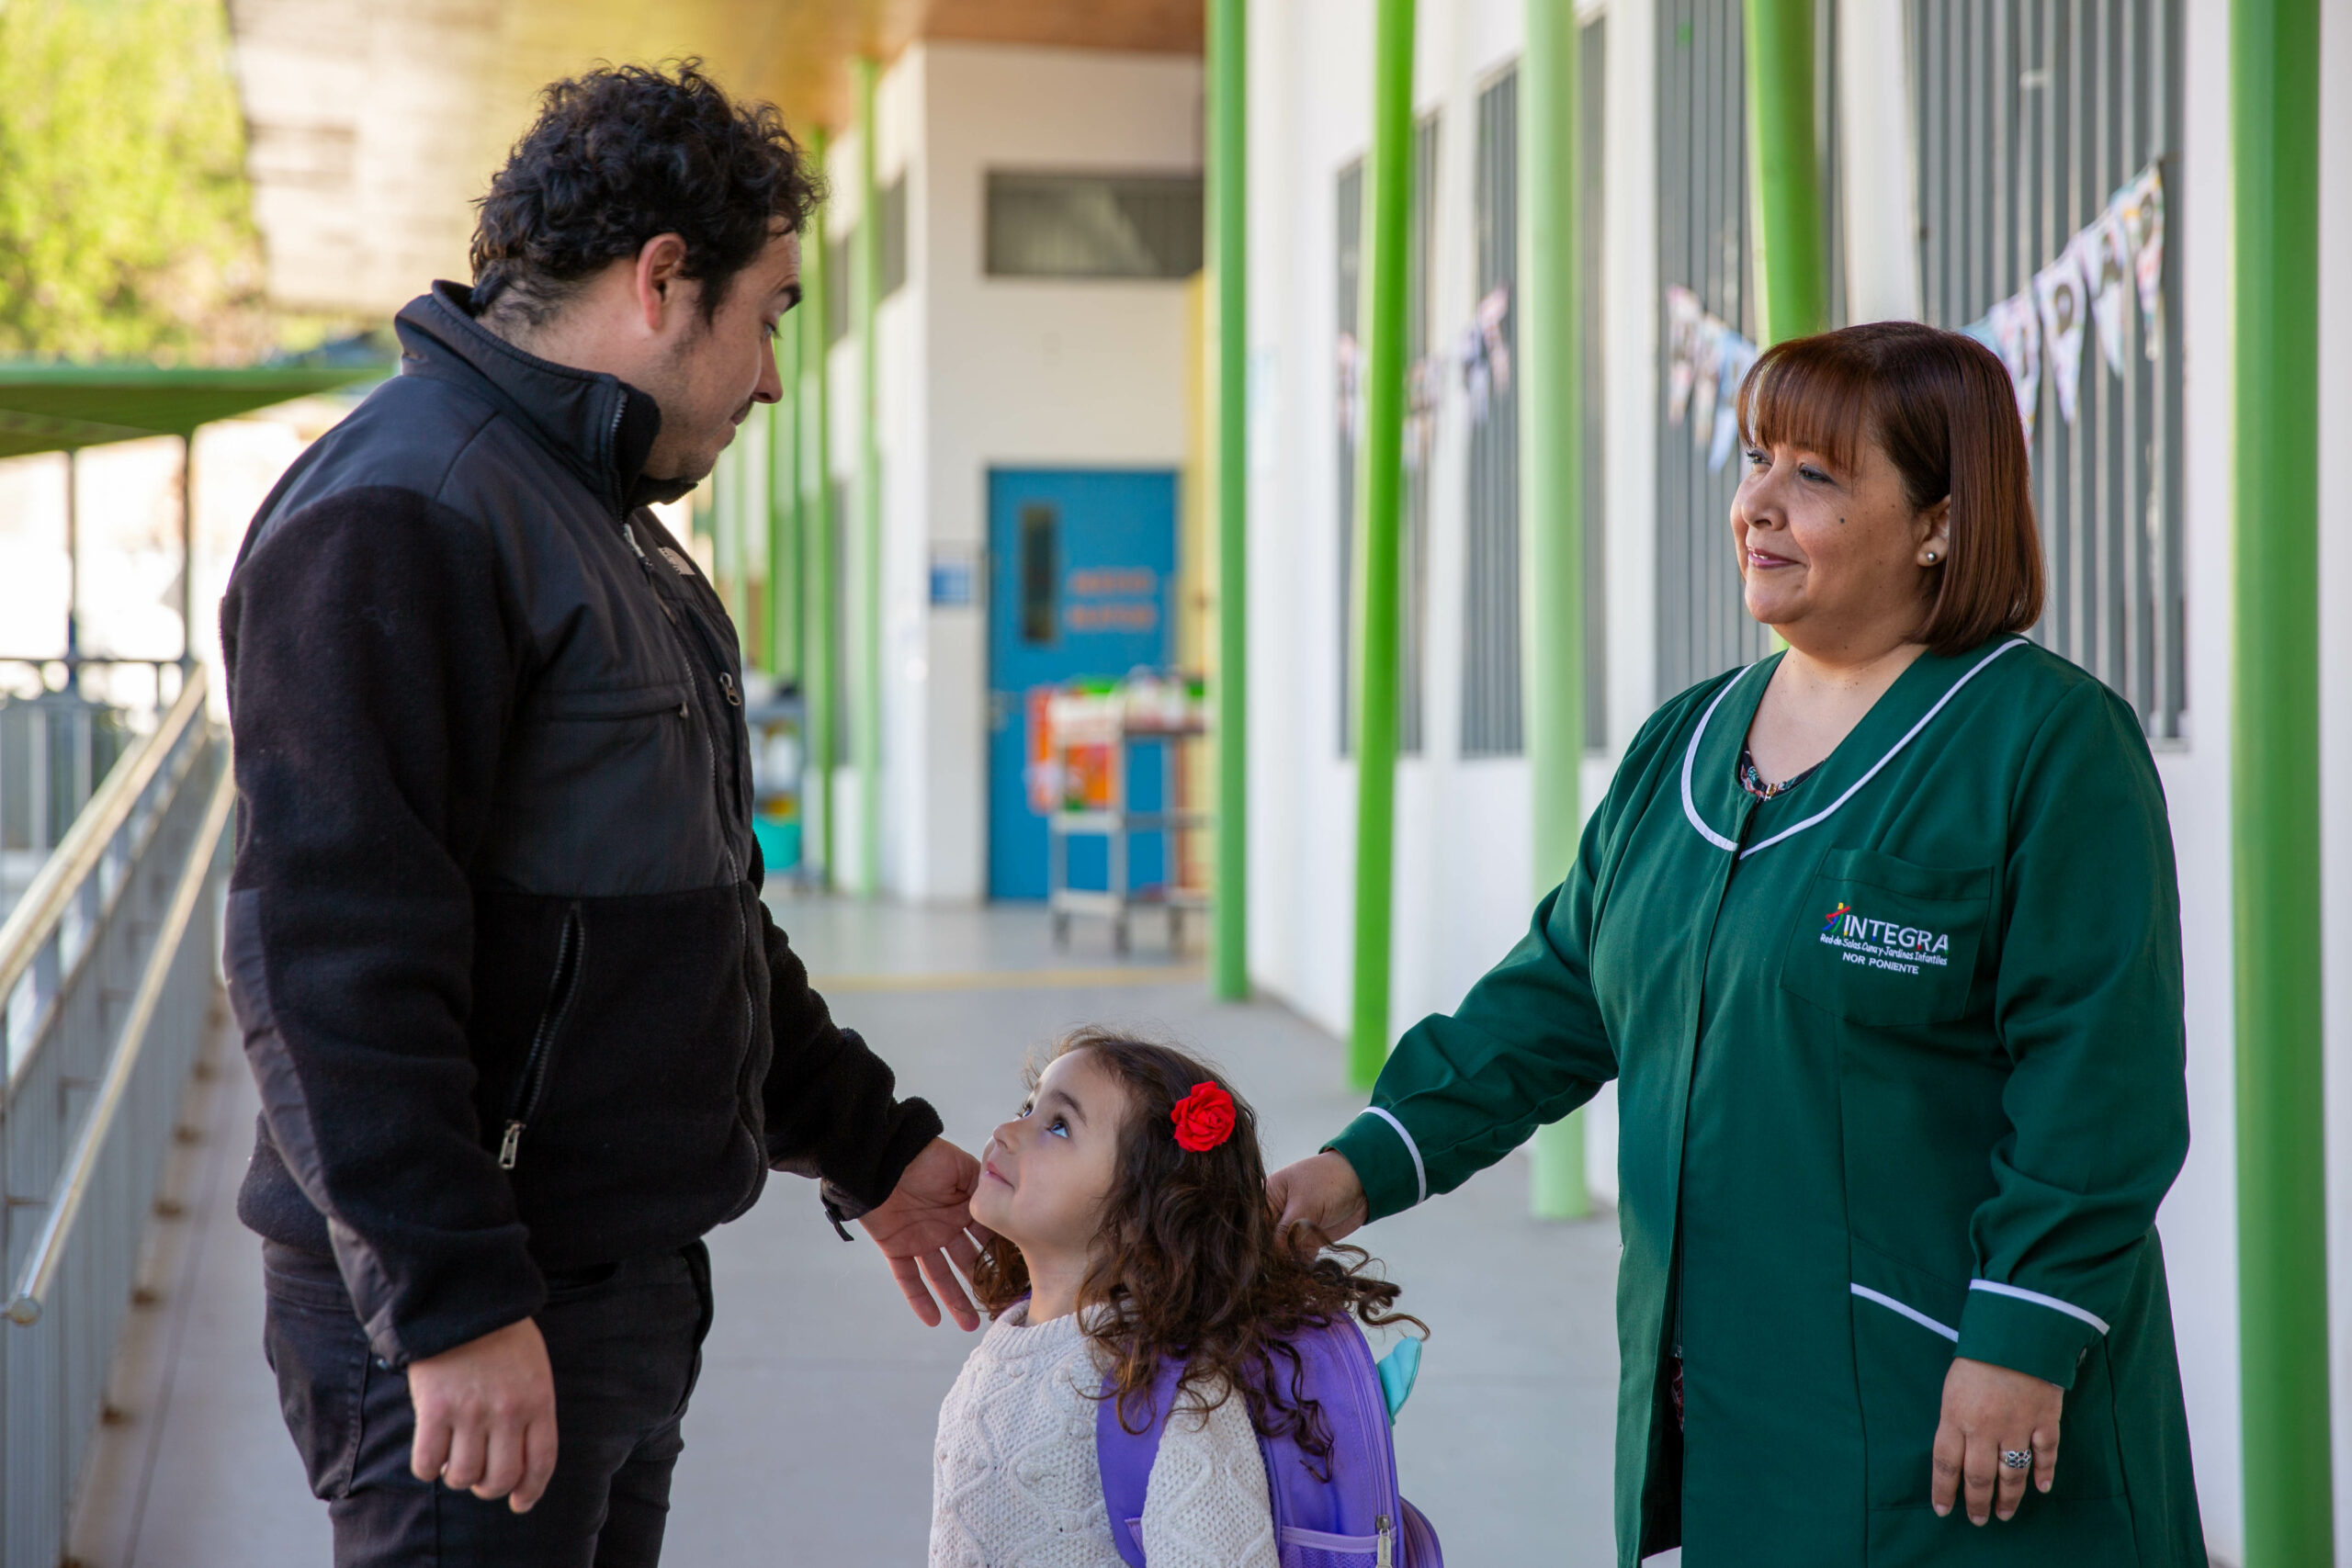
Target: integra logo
point(1883, 945)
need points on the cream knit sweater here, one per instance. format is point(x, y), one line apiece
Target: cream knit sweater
point(1014, 1484)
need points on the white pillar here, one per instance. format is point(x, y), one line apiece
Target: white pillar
point(1879, 146)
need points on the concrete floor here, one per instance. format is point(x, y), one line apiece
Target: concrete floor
point(808, 1441)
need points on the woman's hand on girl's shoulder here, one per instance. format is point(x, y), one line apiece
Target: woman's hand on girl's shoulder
point(1318, 1201)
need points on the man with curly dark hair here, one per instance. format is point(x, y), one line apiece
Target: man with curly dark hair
point(523, 1027)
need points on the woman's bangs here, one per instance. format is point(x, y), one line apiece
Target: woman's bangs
point(1808, 395)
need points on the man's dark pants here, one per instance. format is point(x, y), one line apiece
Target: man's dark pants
point(625, 1341)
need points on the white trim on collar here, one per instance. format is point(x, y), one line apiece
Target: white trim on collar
point(1690, 757)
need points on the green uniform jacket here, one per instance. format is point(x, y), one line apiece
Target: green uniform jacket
point(1900, 1077)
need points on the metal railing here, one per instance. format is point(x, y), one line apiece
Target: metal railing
point(64, 723)
point(108, 979)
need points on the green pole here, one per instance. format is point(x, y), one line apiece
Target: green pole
point(784, 514)
point(817, 494)
point(1230, 253)
point(726, 521)
point(1551, 449)
point(1388, 173)
point(765, 523)
point(2281, 1158)
point(1784, 172)
point(867, 296)
point(751, 534)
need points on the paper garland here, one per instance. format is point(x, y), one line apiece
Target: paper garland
point(2045, 320)
point(2058, 290)
point(1484, 354)
point(1707, 361)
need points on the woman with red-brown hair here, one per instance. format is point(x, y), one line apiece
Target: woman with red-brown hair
point(1880, 939)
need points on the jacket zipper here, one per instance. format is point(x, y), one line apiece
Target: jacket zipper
point(718, 790)
point(532, 1087)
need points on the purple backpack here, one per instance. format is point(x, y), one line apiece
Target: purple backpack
point(1356, 1519)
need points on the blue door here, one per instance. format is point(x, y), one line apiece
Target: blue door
point(1081, 580)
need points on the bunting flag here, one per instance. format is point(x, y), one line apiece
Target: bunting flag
point(2058, 290)
point(1704, 383)
point(1682, 317)
point(2016, 338)
point(2140, 204)
point(2045, 320)
point(1484, 353)
point(1739, 357)
point(2100, 254)
point(1707, 361)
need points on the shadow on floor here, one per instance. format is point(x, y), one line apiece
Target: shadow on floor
point(808, 1443)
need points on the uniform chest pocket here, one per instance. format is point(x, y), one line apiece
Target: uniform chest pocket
point(1884, 941)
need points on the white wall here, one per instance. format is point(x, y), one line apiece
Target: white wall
point(1464, 883)
point(982, 372)
point(2335, 718)
point(1462, 879)
point(2198, 1219)
point(1461, 875)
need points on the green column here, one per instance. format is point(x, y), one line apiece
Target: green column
point(752, 534)
point(1784, 172)
point(2282, 1187)
point(866, 293)
point(784, 513)
point(1229, 261)
point(1388, 172)
point(1551, 454)
point(726, 528)
point(816, 498)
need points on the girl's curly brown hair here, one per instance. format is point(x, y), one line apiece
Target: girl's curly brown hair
point(1191, 1262)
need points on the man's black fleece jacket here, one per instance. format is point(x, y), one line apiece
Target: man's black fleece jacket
point(494, 933)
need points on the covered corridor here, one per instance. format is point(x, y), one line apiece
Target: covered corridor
point(1416, 318)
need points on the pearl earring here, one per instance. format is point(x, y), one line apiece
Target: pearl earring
point(1931, 557)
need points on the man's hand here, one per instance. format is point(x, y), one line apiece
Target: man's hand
point(485, 1417)
point(1321, 1194)
point(1990, 1410)
point(926, 1222)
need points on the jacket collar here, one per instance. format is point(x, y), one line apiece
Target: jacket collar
point(600, 427)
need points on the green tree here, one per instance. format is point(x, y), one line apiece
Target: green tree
point(126, 221)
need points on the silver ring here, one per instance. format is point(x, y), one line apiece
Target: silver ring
point(2017, 1459)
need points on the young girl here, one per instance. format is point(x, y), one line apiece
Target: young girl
point(1128, 1199)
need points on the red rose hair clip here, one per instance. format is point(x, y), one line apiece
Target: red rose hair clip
point(1203, 1118)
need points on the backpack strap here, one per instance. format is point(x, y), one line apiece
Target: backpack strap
point(1125, 1458)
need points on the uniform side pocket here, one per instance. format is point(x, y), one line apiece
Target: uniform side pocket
point(1886, 941)
point(1906, 1328)
point(1905, 1325)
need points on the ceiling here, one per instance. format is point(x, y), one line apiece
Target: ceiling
point(374, 123)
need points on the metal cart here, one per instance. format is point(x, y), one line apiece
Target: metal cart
point(1111, 722)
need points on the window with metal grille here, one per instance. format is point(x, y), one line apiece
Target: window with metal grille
point(2030, 114)
point(1703, 627)
point(894, 236)
point(1423, 373)
point(1047, 225)
point(1492, 712)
